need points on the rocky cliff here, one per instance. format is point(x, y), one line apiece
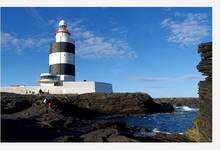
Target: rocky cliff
point(98, 103)
point(24, 118)
point(117, 103)
point(180, 101)
point(202, 130)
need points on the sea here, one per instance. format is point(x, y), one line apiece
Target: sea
point(169, 123)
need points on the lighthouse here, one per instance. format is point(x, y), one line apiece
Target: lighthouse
point(62, 54)
point(61, 76)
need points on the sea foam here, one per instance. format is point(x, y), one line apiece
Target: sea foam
point(185, 108)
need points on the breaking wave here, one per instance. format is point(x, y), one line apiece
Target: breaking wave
point(151, 133)
point(185, 108)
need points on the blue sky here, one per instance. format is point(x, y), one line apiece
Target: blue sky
point(152, 50)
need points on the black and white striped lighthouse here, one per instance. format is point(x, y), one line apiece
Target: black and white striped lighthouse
point(62, 54)
point(61, 76)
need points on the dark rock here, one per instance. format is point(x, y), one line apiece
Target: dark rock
point(94, 104)
point(72, 117)
point(183, 101)
point(120, 138)
point(67, 139)
point(109, 134)
point(137, 129)
point(162, 137)
point(202, 125)
point(118, 103)
point(24, 131)
point(158, 108)
point(11, 105)
point(100, 135)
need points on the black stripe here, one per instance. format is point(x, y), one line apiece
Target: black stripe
point(62, 47)
point(62, 69)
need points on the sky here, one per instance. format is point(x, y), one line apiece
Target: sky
point(151, 50)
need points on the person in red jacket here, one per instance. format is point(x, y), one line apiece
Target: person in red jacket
point(49, 104)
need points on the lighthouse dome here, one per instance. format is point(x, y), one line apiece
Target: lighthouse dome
point(62, 23)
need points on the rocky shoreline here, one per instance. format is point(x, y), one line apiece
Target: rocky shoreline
point(73, 118)
point(180, 101)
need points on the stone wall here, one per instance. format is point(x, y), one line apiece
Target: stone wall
point(202, 125)
point(75, 87)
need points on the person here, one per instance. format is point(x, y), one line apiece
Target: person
point(48, 103)
point(45, 101)
point(40, 91)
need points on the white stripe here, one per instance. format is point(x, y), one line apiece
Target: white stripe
point(67, 78)
point(63, 37)
point(62, 57)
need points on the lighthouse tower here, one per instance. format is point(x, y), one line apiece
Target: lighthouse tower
point(61, 76)
point(62, 55)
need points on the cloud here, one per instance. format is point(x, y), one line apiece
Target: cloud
point(90, 44)
point(18, 44)
point(157, 79)
point(34, 13)
point(189, 77)
point(187, 31)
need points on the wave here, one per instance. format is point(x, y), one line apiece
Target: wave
point(155, 130)
point(185, 108)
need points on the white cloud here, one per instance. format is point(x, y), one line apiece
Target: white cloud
point(38, 17)
point(156, 79)
point(90, 44)
point(189, 31)
point(18, 44)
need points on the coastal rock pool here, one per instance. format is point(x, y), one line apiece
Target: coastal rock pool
point(177, 122)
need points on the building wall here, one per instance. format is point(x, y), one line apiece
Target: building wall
point(67, 88)
point(67, 78)
point(52, 90)
point(78, 87)
point(47, 84)
point(86, 87)
point(103, 87)
point(21, 89)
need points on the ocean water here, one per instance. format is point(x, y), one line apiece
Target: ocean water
point(177, 122)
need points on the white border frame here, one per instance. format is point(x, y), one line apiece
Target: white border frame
point(215, 4)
